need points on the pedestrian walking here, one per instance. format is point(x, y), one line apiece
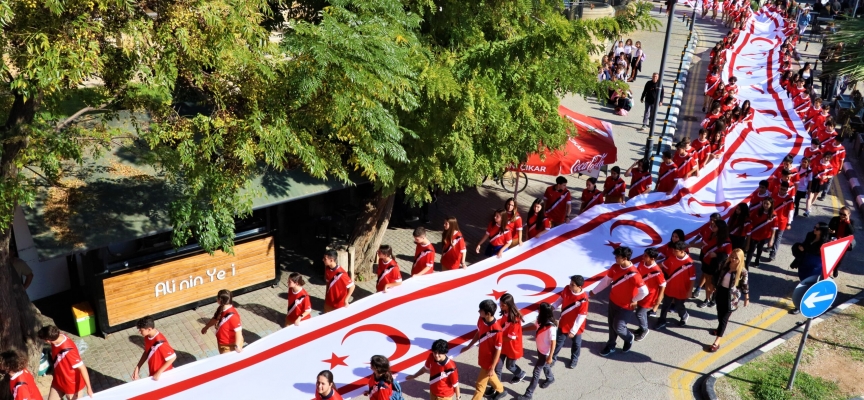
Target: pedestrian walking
point(424, 253)
point(804, 173)
point(226, 319)
point(558, 201)
point(650, 93)
point(443, 376)
point(22, 385)
point(489, 335)
point(158, 354)
point(739, 226)
point(627, 288)
point(340, 286)
point(640, 178)
point(70, 374)
point(715, 247)
point(299, 303)
point(842, 226)
point(545, 338)
point(381, 385)
point(654, 280)
point(668, 175)
point(511, 350)
point(573, 302)
point(732, 286)
point(668, 250)
point(636, 59)
point(325, 389)
point(453, 250)
point(784, 212)
point(537, 221)
point(591, 196)
point(763, 221)
point(498, 235)
point(388, 272)
point(680, 276)
point(614, 187)
point(822, 173)
point(515, 224)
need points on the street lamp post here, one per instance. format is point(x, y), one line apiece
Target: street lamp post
point(650, 142)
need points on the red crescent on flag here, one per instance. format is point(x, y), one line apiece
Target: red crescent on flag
point(647, 229)
point(724, 204)
point(775, 129)
point(548, 281)
point(768, 164)
point(402, 342)
point(772, 112)
point(757, 88)
point(769, 41)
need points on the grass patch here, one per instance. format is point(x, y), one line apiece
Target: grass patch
point(766, 379)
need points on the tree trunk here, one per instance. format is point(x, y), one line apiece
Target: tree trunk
point(369, 231)
point(19, 326)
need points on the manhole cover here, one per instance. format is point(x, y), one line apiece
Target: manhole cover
point(688, 118)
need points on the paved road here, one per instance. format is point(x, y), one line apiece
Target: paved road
point(667, 364)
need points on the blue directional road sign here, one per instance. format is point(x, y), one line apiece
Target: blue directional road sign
point(818, 298)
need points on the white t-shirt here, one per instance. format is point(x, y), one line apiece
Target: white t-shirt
point(545, 337)
point(627, 49)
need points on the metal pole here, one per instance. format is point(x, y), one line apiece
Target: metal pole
point(798, 356)
point(855, 9)
point(649, 155)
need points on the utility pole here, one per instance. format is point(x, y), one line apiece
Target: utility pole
point(650, 142)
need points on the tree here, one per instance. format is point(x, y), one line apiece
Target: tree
point(843, 50)
point(411, 94)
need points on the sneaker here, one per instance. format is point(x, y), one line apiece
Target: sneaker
point(835, 273)
point(651, 313)
point(517, 378)
point(683, 321)
point(642, 129)
point(546, 383)
point(627, 346)
point(572, 364)
point(702, 304)
point(607, 351)
point(641, 335)
point(660, 325)
point(807, 213)
point(795, 311)
point(822, 197)
point(489, 391)
point(710, 304)
point(522, 397)
point(498, 396)
point(696, 292)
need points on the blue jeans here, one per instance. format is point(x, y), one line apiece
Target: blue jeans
point(510, 363)
point(575, 347)
point(535, 380)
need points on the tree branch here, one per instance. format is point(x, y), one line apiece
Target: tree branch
point(79, 113)
point(40, 175)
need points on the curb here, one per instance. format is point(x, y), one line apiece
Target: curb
point(852, 176)
point(711, 379)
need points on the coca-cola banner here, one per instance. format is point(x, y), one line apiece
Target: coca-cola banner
point(403, 323)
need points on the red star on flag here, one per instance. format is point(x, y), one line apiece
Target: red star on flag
point(743, 176)
point(613, 245)
point(496, 294)
point(335, 361)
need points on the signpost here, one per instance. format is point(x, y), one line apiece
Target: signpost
point(815, 301)
point(832, 253)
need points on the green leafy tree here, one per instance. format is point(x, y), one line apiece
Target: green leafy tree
point(843, 51)
point(413, 95)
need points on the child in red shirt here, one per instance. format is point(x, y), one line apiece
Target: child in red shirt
point(381, 383)
point(158, 354)
point(627, 289)
point(667, 175)
point(573, 302)
point(515, 224)
point(443, 376)
point(545, 338)
point(21, 383)
point(498, 234)
point(489, 334)
point(687, 165)
point(680, 276)
point(702, 146)
point(641, 178)
point(424, 253)
point(822, 172)
point(591, 196)
point(537, 221)
point(340, 286)
point(229, 332)
point(70, 374)
point(558, 202)
point(784, 211)
point(511, 349)
point(453, 250)
point(614, 187)
point(324, 387)
point(762, 222)
point(299, 305)
point(656, 284)
point(388, 272)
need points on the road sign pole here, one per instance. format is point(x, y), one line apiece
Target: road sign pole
point(798, 356)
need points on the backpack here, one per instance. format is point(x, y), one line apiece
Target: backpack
point(397, 391)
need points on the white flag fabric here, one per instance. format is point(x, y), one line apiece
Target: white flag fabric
point(403, 323)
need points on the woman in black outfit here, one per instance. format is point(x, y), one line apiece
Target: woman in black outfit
point(841, 226)
point(808, 256)
point(731, 275)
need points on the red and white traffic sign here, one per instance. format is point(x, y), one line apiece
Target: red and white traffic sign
point(832, 252)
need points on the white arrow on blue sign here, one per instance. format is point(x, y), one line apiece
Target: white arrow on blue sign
point(818, 298)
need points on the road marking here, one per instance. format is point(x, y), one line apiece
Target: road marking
point(692, 368)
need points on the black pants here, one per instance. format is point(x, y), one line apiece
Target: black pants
point(668, 303)
point(535, 380)
point(756, 246)
point(723, 309)
point(575, 347)
point(617, 318)
point(799, 195)
point(510, 363)
point(738, 242)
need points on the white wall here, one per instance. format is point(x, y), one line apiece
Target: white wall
point(50, 276)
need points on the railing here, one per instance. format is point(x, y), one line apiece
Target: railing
point(680, 77)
